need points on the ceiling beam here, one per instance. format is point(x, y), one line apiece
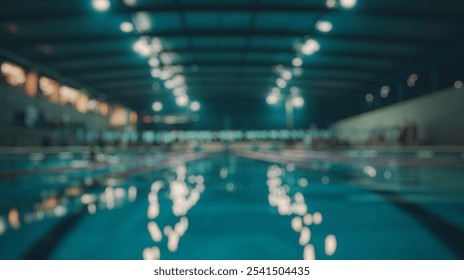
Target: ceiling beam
point(179, 52)
point(281, 35)
point(263, 82)
point(407, 12)
point(312, 66)
point(348, 75)
point(144, 96)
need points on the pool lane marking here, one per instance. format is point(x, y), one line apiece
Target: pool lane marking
point(44, 247)
point(340, 158)
point(90, 166)
point(450, 235)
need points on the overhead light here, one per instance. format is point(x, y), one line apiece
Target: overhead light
point(297, 62)
point(155, 73)
point(126, 27)
point(195, 106)
point(179, 91)
point(182, 100)
point(156, 45)
point(178, 80)
point(142, 22)
point(166, 74)
point(101, 5)
point(287, 75)
point(130, 2)
point(275, 90)
point(272, 99)
point(281, 83)
point(169, 84)
point(310, 46)
point(411, 83)
point(348, 3)
point(157, 106)
point(324, 26)
point(166, 58)
point(412, 79)
point(458, 84)
point(385, 91)
point(331, 3)
point(297, 101)
point(142, 47)
point(154, 62)
point(369, 97)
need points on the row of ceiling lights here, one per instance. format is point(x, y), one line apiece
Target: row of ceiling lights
point(177, 83)
point(152, 48)
point(410, 82)
point(309, 47)
point(103, 5)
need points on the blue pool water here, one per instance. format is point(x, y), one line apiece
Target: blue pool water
point(237, 205)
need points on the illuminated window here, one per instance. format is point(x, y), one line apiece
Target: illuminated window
point(147, 119)
point(68, 95)
point(118, 116)
point(82, 103)
point(92, 105)
point(49, 89)
point(103, 109)
point(31, 84)
point(133, 117)
point(13, 74)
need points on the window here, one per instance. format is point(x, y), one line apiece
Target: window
point(118, 116)
point(13, 74)
point(68, 95)
point(92, 105)
point(49, 89)
point(82, 103)
point(31, 84)
point(104, 109)
point(133, 117)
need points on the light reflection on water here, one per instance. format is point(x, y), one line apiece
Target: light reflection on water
point(184, 195)
point(292, 192)
point(295, 206)
point(71, 200)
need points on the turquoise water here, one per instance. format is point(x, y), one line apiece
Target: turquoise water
point(244, 205)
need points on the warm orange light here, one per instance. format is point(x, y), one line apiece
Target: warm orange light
point(50, 89)
point(14, 74)
point(31, 84)
point(13, 218)
point(82, 103)
point(147, 119)
point(104, 109)
point(118, 116)
point(68, 95)
point(133, 118)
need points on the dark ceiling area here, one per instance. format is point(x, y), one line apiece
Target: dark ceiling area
point(226, 53)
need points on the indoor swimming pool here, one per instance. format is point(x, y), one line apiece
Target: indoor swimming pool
point(239, 204)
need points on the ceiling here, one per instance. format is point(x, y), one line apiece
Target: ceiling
point(230, 50)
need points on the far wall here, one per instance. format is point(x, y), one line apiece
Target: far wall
point(14, 100)
point(439, 117)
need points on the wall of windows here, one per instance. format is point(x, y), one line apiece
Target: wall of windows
point(49, 89)
point(13, 74)
point(35, 85)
